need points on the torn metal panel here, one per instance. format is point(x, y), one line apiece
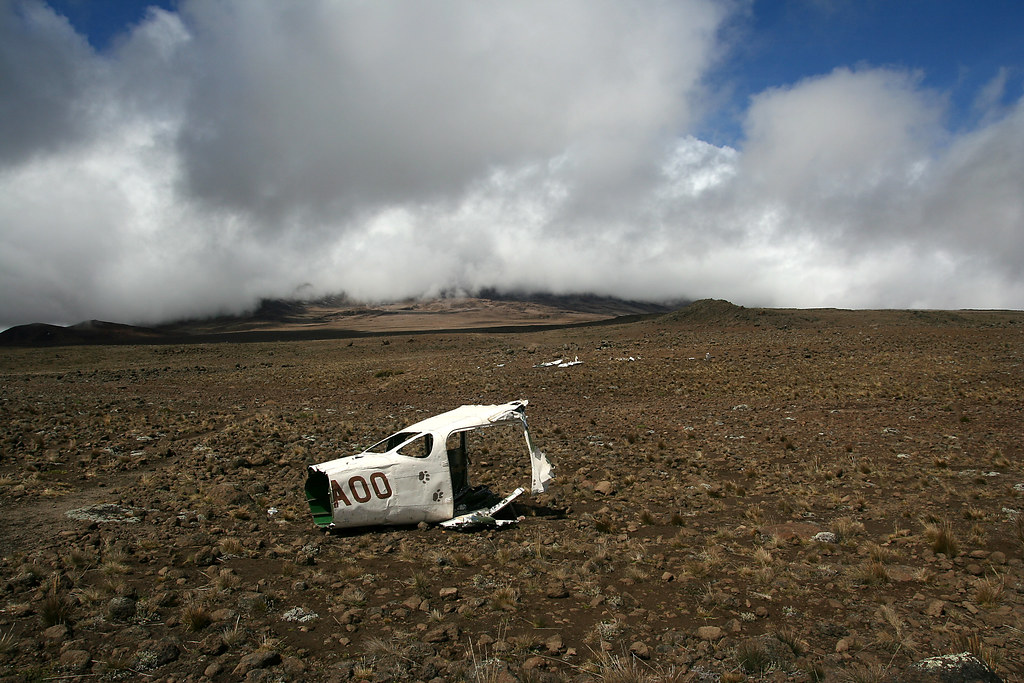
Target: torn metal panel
point(485, 517)
point(419, 474)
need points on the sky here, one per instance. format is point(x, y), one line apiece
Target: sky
point(187, 158)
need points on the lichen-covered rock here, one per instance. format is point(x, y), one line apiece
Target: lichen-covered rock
point(121, 608)
point(958, 668)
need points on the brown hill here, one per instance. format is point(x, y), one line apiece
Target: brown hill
point(87, 332)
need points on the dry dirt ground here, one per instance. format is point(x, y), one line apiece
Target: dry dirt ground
point(699, 456)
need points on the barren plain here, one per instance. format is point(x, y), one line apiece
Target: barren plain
point(741, 494)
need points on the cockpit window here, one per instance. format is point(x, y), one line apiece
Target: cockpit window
point(418, 448)
point(391, 443)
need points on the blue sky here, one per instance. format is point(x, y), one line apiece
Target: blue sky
point(188, 158)
point(955, 47)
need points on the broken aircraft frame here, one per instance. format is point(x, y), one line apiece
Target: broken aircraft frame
point(420, 474)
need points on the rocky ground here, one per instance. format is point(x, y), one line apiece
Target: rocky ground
point(741, 494)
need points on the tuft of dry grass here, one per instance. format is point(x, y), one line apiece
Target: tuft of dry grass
point(392, 648)
point(883, 554)
point(753, 657)
point(420, 582)
point(115, 561)
point(505, 598)
point(895, 638)
point(56, 606)
point(610, 668)
point(8, 643)
point(234, 635)
point(790, 638)
point(461, 559)
point(942, 538)
point(637, 572)
point(871, 573)
point(864, 674)
point(195, 616)
point(987, 592)
point(231, 546)
point(1018, 528)
point(846, 528)
point(976, 646)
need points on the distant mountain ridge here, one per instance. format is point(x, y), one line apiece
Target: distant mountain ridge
point(338, 316)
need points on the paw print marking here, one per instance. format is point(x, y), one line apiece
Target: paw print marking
point(424, 476)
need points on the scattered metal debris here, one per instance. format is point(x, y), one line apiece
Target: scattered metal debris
point(560, 363)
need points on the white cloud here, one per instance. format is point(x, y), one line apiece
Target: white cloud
point(242, 149)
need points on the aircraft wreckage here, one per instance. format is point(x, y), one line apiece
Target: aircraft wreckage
point(420, 474)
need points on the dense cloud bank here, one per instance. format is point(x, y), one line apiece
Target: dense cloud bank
point(242, 148)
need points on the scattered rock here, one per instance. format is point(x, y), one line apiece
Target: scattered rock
point(639, 649)
point(557, 591)
point(260, 659)
point(710, 633)
point(154, 654)
point(57, 633)
point(206, 556)
point(442, 634)
point(935, 608)
point(212, 645)
point(554, 645)
point(75, 661)
point(605, 488)
point(533, 663)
